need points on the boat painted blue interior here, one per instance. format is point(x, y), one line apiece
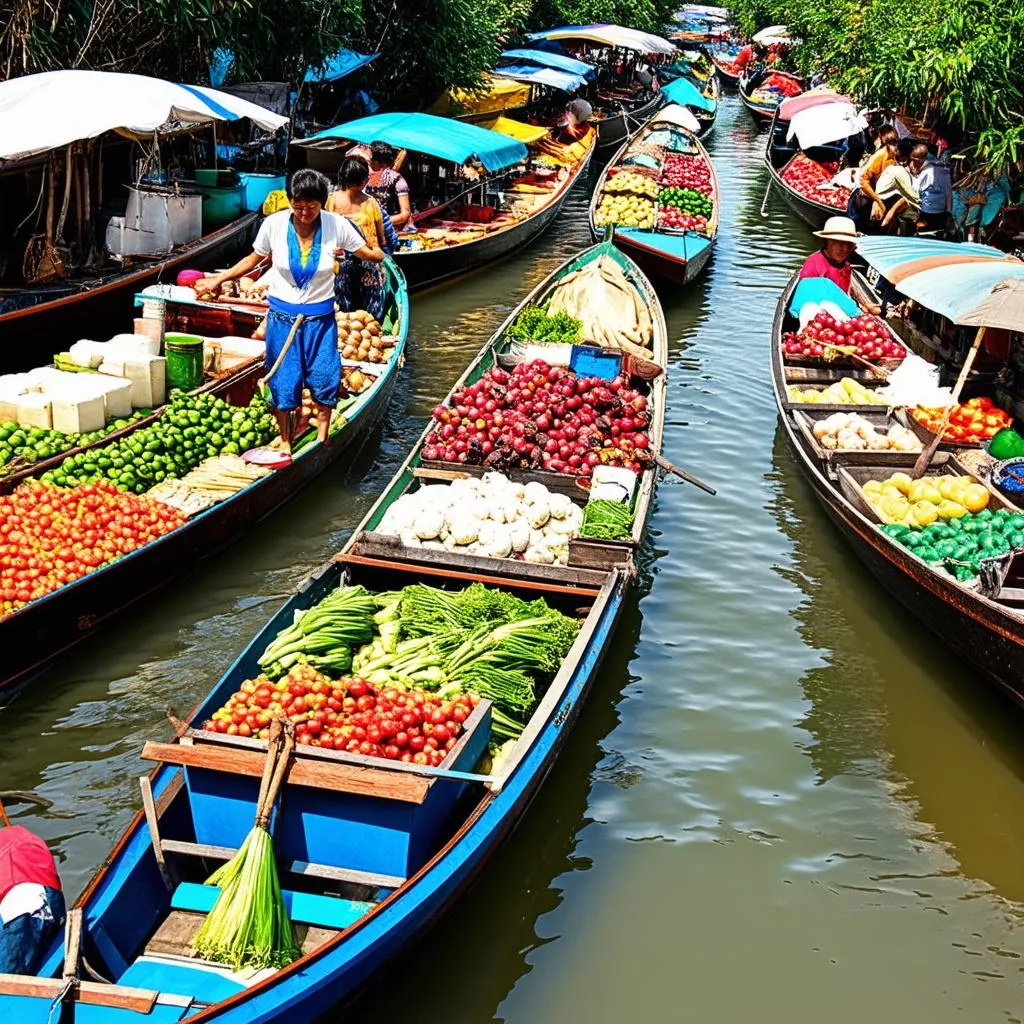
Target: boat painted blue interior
point(679, 247)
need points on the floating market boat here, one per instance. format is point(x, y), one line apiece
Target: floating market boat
point(78, 269)
point(371, 849)
point(665, 155)
point(34, 634)
point(981, 618)
point(476, 218)
point(701, 99)
point(724, 59)
point(802, 153)
point(762, 92)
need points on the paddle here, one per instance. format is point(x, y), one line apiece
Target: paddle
point(833, 351)
point(925, 458)
point(682, 474)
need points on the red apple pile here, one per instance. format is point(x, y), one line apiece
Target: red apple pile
point(542, 417)
point(683, 171)
point(866, 334)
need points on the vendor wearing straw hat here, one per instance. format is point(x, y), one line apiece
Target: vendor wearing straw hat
point(303, 244)
point(839, 240)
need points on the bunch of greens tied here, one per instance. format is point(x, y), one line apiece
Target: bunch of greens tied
point(535, 326)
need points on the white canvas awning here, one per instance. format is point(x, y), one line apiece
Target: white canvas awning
point(48, 111)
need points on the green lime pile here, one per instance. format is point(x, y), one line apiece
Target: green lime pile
point(961, 544)
point(24, 446)
point(689, 200)
point(192, 429)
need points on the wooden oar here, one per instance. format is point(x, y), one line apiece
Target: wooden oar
point(682, 474)
point(924, 460)
point(849, 350)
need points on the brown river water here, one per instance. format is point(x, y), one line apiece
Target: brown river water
point(784, 801)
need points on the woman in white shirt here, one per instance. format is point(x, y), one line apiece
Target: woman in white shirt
point(303, 244)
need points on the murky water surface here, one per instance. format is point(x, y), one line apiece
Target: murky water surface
point(783, 803)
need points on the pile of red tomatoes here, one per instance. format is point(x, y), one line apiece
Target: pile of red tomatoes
point(50, 536)
point(865, 334)
point(672, 217)
point(811, 180)
point(682, 171)
point(542, 417)
point(348, 714)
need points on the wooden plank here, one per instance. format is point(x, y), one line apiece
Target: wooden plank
point(296, 867)
point(72, 944)
point(139, 1000)
point(153, 824)
point(451, 574)
point(433, 473)
point(343, 778)
point(170, 791)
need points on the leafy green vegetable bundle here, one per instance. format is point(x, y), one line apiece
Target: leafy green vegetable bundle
point(535, 326)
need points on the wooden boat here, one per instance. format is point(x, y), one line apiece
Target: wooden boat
point(611, 131)
point(762, 110)
point(36, 634)
point(371, 851)
point(987, 632)
point(34, 321)
point(424, 267)
point(727, 70)
point(779, 153)
point(674, 256)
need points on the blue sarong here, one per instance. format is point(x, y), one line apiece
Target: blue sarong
point(312, 361)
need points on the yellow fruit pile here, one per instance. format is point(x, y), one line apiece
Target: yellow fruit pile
point(629, 211)
point(628, 181)
point(901, 499)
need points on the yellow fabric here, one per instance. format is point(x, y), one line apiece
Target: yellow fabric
point(525, 133)
point(369, 220)
point(494, 95)
point(275, 201)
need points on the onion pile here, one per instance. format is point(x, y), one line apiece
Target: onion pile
point(542, 417)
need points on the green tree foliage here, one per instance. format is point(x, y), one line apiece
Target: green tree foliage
point(646, 15)
point(962, 61)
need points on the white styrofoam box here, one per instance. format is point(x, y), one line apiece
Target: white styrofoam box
point(8, 410)
point(170, 291)
point(116, 393)
point(14, 384)
point(87, 353)
point(152, 331)
point(133, 344)
point(79, 415)
point(124, 240)
point(147, 373)
point(233, 351)
point(34, 410)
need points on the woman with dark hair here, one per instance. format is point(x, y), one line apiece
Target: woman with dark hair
point(303, 244)
point(360, 283)
point(387, 186)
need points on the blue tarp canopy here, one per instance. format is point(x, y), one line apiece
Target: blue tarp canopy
point(558, 61)
point(684, 92)
point(949, 278)
point(427, 133)
point(541, 76)
point(343, 63)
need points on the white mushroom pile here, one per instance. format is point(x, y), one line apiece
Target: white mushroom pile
point(851, 431)
point(489, 516)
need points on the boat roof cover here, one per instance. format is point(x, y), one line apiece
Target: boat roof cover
point(817, 126)
point(343, 63)
point(541, 76)
point(425, 133)
point(50, 110)
point(494, 95)
point(812, 98)
point(951, 278)
point(525, 133)
point(677, 115)
point(774, 34)
point(547, 59)
point(705, 9)
point(609, 35)
point(683, 91)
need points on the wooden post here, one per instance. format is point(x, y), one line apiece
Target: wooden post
point(153, 824)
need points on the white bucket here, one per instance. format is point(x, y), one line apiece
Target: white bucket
point(613, 483)
point(153, 309)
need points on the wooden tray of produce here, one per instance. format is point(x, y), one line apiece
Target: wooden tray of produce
point(789, 359)
point(927, 436)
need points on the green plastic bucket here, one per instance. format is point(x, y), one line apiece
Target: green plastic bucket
point(184, 354)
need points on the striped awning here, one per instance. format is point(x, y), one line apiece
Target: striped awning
point(951, 278)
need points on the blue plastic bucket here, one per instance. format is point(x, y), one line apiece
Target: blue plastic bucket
point(256, 187)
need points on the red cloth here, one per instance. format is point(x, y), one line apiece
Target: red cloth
point(819, 265)
point(24, 857)
point(744, 57)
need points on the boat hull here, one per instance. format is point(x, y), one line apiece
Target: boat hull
point(613, 131)
point(662, 265)
point(432, 266)
point(807, 210)
point(982, 632)
point(50, 318)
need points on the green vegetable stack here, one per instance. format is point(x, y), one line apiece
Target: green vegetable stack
point(23, 446)
point(961, 544)
point(534, 325)
point(689, 200)
point(607, 520)
point(193, 428)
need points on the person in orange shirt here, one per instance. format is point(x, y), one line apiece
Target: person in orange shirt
point(866, 207)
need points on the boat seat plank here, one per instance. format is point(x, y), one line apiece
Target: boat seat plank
point(303, 907)
point(206, 983)
point(122, 997)
point(178, 930)
point(342, 778)
point(296, 867)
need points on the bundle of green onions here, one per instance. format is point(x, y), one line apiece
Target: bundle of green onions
point(607, 520)
point(325, 635)
point(248, 926)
